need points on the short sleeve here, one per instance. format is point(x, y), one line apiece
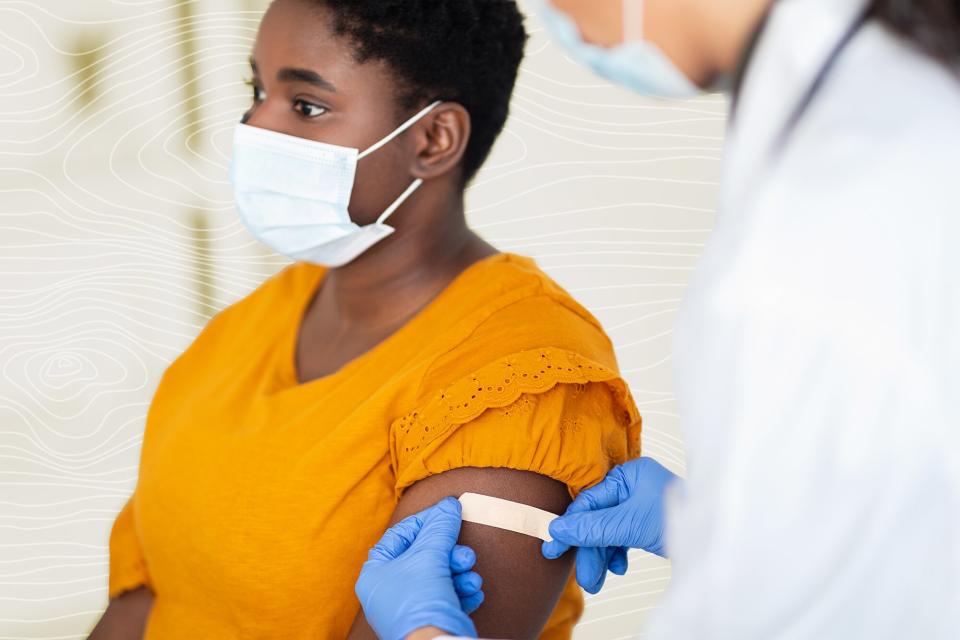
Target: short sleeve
point(548, 411)
point(128, 569)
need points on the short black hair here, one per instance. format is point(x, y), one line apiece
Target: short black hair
point(463, 51)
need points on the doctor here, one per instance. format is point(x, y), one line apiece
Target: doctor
point(817, 354)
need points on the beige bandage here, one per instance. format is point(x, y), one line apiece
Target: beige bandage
point(504, 514)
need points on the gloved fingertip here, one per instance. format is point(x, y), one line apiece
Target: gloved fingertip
point(476, 582)
point(472, 603)
point(618, 562)
point(450, 505)
point(555, 525)
point(467, 584)
point(551, 549)
point(600, 583)
point(592, 588)
point(462, 558)
point(557, 528)
point(587, 582)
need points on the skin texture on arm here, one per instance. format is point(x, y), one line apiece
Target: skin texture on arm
point(521, 587)
point(125, 617)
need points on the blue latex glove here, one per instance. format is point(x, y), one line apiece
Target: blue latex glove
point(623, 511)
point(418, 576)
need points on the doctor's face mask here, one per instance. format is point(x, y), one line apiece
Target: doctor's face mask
point(293, 194)
point(636, 64)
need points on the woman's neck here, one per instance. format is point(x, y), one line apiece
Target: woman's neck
point(400, 275)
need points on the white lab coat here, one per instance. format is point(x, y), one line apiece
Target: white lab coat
point(817, 354)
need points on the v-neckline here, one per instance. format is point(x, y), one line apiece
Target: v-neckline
point(288, 378)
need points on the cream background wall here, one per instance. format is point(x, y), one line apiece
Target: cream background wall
point(118, 240)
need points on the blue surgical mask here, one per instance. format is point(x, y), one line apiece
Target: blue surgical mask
point(292, 194)
point(637, 64)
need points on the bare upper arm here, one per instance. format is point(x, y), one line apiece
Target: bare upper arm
point(521, 586)
point(125, 617)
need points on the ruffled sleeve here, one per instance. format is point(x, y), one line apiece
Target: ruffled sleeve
point(551, 411)
point(128, 569)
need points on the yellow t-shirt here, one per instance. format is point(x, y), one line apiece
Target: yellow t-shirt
point(258, 497)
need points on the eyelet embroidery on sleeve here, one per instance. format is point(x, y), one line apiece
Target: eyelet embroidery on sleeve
point(522, 407)
point(500, 385)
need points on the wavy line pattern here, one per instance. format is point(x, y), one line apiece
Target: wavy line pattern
point(118, 240)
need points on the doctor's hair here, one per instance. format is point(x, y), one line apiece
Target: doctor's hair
point(933, 26)
point(463, 51)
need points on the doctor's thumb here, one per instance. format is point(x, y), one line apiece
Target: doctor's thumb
point(440, 526)
point(588, 529)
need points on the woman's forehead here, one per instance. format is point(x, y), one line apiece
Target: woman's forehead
point(296, 36)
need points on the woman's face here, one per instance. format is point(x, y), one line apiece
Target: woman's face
point(307, 84)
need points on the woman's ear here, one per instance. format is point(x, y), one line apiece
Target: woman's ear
point(442, 141)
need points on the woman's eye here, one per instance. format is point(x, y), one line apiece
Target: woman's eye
point(308, 109)
point(259, 95)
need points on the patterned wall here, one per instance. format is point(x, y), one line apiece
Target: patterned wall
point(118, 240)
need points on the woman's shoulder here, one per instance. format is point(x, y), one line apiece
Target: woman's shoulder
point(513, 284)
point(256, 318)
point(266, 302)
point(282, 287)
point(516, 308)
point(533, 384)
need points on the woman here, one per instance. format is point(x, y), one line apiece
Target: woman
point(817, 354)
point(417, 363)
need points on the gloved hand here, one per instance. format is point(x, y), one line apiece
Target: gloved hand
point(623, 511)
point(418, 576)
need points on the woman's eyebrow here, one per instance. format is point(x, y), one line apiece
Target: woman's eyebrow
point(290, 74)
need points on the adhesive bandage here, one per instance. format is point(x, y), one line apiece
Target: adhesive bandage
point(504, 514)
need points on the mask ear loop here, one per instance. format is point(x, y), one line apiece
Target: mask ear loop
point(416, 183)
point(396, 132)
point(632, 21)
point(399, 201)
